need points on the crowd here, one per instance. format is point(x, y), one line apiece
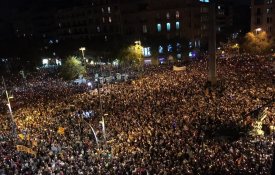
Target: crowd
point(163, 122)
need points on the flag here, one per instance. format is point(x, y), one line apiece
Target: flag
point(61, 130)
point(21, 136)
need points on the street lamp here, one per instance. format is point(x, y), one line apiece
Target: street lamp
point(82, 49)
point(236, 46)
point(258, 30)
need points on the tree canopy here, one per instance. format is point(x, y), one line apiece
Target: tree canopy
point(257, 43)
point(131, 54)
point(72, 68)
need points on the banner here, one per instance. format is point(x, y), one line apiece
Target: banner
point(175, 68)
point(25, 149)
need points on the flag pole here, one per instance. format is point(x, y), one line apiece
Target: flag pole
point(10, 110)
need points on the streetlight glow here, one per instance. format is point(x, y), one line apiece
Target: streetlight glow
point(82, 49)
point(258, 29)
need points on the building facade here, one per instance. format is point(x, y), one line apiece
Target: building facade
point(263, 16)
point(171, 26)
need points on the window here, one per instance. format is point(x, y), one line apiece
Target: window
point(190, 44)
point(102, 9)
point(177, 14)
point(167, 15)
point(178, 47)
point(160, 49)
point(258, 11)
point(169, 48)
point(168, 26)
point(109, 9)
point(159, 27)
point(98, 29)
point(204, 1)
point(110, 19)
point(147, 51)
point(103, 19)
point(258, 21)
point(144, 28)
point(177, 25)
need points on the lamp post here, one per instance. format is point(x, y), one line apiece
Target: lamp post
point(258, 30)
point(82, 49)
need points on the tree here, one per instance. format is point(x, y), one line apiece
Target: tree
point(72, 68)
point(257, 43)
point(131, 54)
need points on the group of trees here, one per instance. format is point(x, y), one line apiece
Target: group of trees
point(257, 43)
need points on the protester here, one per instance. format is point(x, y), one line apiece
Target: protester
point(163, 122)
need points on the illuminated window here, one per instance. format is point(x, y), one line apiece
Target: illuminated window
point(168, 26)
point(169, 48)
point(109, 9)
point(102, 9)
point(160, 49)
point(190, 44)
point(110, 19)
point(204, 1)
point(103, 19)
point(177, 25)
point(98, 29)
point(147, 51)
point(167, 15)
point(144, 29)
point(159, 27)
point(177, 14)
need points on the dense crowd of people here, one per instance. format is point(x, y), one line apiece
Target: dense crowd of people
point(164, 122)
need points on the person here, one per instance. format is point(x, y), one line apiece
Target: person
point(164, 123)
